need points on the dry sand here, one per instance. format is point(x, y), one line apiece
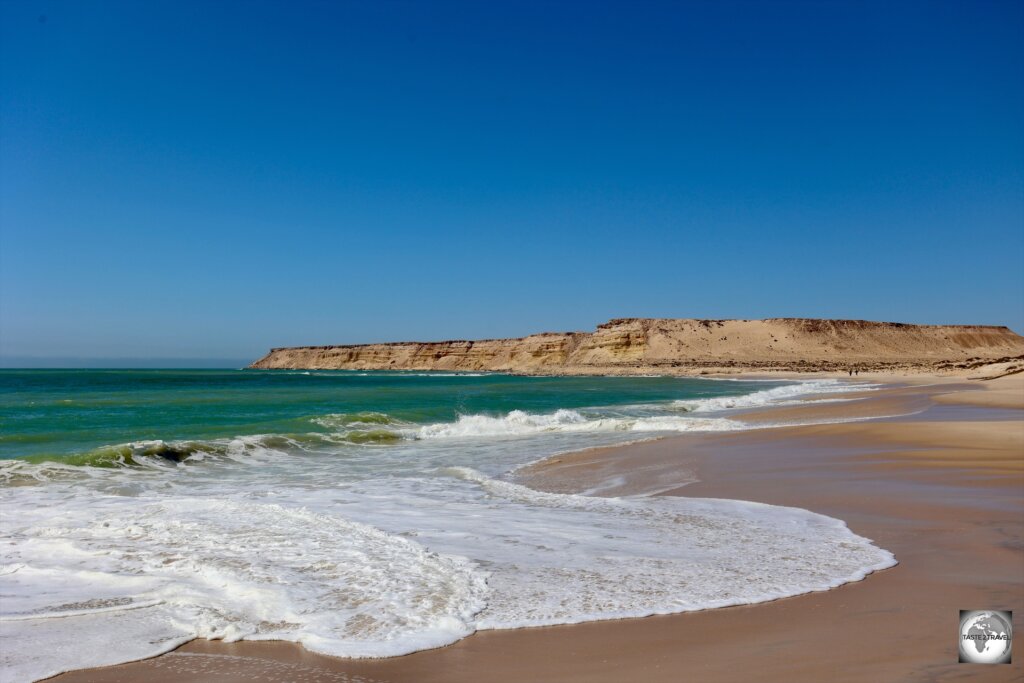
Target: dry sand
point(942, 488)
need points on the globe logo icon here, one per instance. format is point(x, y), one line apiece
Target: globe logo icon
point(985, 637)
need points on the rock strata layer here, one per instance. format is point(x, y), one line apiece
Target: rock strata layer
point(684, 346)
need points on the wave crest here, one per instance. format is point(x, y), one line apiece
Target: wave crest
point(520, 423)
point(784, 395)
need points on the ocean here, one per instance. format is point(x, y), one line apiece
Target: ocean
point(363, 514)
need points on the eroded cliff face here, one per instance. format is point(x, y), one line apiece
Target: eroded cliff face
point(632, 345)
point(525, 354)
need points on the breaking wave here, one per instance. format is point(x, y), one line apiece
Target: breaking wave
point(520, 423)
point(784, 395)
point(367, 534)
point(370, 428)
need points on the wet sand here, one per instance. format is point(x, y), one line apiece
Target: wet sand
point(942, 487)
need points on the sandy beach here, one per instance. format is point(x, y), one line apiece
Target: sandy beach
point(936, 477)
point(511, 342)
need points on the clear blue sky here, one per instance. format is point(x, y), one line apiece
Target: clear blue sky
point(209, 179)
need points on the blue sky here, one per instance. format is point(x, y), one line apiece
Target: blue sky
point(186, 180)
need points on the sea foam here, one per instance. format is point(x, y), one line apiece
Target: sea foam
point(519, 423)
point(784, 395)
point(366, 546)
point(385, 567)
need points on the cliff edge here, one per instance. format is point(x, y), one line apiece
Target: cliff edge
point(684, 346)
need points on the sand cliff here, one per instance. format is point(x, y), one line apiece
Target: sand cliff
point(638, 345)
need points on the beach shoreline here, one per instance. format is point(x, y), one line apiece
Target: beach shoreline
point(940, 486)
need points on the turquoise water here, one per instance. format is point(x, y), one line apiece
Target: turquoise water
point(60, 413)
point(364, 514)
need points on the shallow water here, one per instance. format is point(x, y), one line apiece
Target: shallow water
point(362, 514)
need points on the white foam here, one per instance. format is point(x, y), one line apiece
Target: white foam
point(784, 395)
point(359, 551)
point(520, 423)
point(383, 567)
point(216, 568)
point(614, 558)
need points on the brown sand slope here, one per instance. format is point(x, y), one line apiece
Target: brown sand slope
point(631, 345)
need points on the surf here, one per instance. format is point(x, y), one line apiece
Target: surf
point(372, 516)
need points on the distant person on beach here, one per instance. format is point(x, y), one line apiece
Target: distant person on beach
point(851, 372)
